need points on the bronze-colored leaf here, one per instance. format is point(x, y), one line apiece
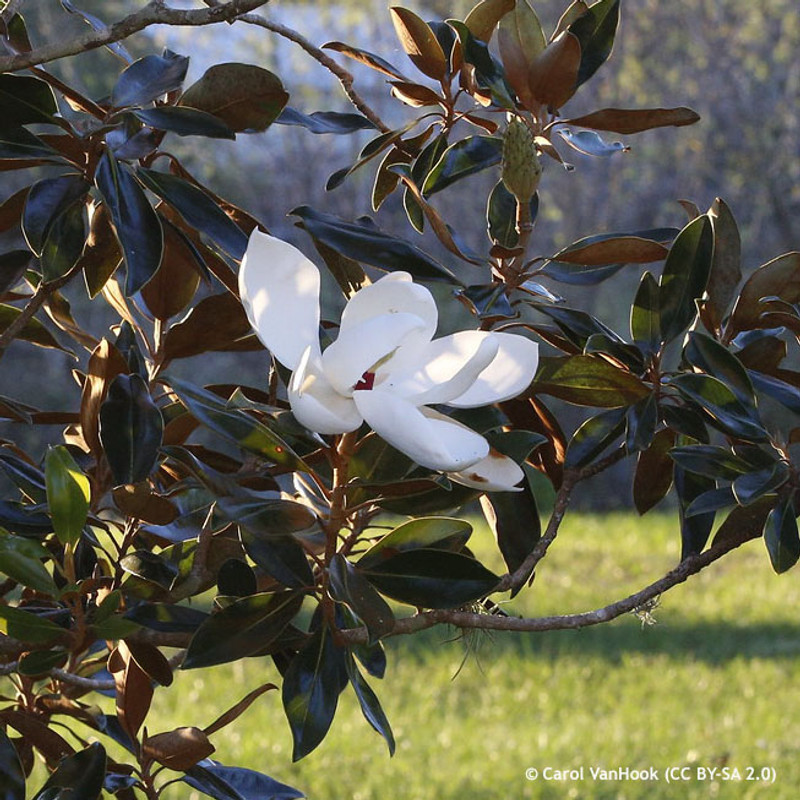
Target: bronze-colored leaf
point(653, 475)
point(553, 76)
point(139, 501)
point(174, 285)
point(11, 210)
point(415, 94)
point(577, 9)
point(105, 363)
point(726, 265)
point(101, 254)
point(419, 42)
point(179, 749)
point(134, 689)
point(152, 661)
point(521, 41)
point(232, 713)
point(629, 120)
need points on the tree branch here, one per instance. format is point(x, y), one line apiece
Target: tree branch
point(341, 74)
point(155, 12)
point(467, 619)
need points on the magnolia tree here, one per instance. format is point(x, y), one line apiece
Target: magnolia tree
point(173, 525)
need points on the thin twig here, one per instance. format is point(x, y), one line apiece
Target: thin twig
point(341, 74)
point(155, 12)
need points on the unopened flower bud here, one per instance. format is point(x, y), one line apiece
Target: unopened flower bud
point(521, 167)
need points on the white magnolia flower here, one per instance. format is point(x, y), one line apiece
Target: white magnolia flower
point(385, 367)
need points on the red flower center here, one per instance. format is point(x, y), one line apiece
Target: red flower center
point(366, 383)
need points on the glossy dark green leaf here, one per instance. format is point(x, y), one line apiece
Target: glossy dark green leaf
point(786, 394)
point(29, 627)
point(47, 200)
point(236, 783)
point(68, 494)
point(325, 121)
point(370, 705)
point(501, 217)
point(13, 787)
point(266, 518)
point(423, 532)
point(578, 275)
point(167, 618)
point(136, 223)
point(23, 519)
point(588, 381)
point(714, 358)
point(281, 557)
point(244, 96)
point(751, 486)
point(513, 517)
point(646, 314)
point(685, 276)
point(695, 529)
point(465, 157)
point(64, 244)
point(185, 121)
point(781, 536)
point(726, 266)
point(131, 429)
point(40, 662)
point(710, 460)
point(653, 476)
point(488, 74)
point(245, 627)
point(628, 355)
point(595, 30)
point(151, 567)
point(149, 78)
point(24, 100)
point(577, 326)
point(711, 501)
point(686, 420)
point(79, 776)
point(197, 208)
point(348, 585)
point(594, 436)
point(311, 688)
point(21, 560)
point(28, 478)
point(234, 424)
point(431, 578)
point(364, 242)
point(721, 405)
point(236, 578)
point(642, 421)
point(490, 300)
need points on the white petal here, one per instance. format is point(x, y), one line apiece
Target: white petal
point(360, 347)
point(495, 473)
point(394, 293)
point(316, 404)
point(430, 439)
point(509, 374)
point(279, 288)
point(445, 368)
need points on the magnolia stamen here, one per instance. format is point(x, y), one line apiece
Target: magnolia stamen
point(366, 383)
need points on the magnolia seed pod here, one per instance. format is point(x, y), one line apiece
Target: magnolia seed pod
point(521, 167)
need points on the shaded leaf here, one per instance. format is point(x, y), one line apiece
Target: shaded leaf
point(135, 221)
point(19, 144)
point(149, 78)
point(46, 201)
point(131, 429)
point(25, 99)
point(32, 331)
point(236, 783)
point(710, 460)
point(348, 585)
point(590, 143)
point(465, 157)
point(594, 436)
point(363, 241)
point(12, 267)
point(370, 705)
point(64, 243)
point(311, 688)
point(685, 276)
point(726, 266)
point(21, 560)
point(185, 122)
point(695, 529)
point(80, 776)
point(11, 770)
point(781, 536)
point(751, 486)
point(653, 476)
point(245, 97)
point(281, 556)
point(709, 355)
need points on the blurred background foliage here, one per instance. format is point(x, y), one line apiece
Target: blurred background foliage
point(733, 61)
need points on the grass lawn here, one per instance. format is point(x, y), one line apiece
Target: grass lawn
point(713, 683)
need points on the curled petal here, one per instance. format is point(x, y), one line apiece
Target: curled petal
point(316, 404)
point(495, 473)
point(445, 368)
point(279, 288)
point(362, 347)
point(508, 375)
point(429, 438)
point(392, 294)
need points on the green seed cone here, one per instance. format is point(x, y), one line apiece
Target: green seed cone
point(521, 167)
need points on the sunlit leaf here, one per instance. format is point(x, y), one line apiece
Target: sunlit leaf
point(419, 43)
point(68, 494)
point(595, 30)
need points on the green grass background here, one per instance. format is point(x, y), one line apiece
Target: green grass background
point(714, 682)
